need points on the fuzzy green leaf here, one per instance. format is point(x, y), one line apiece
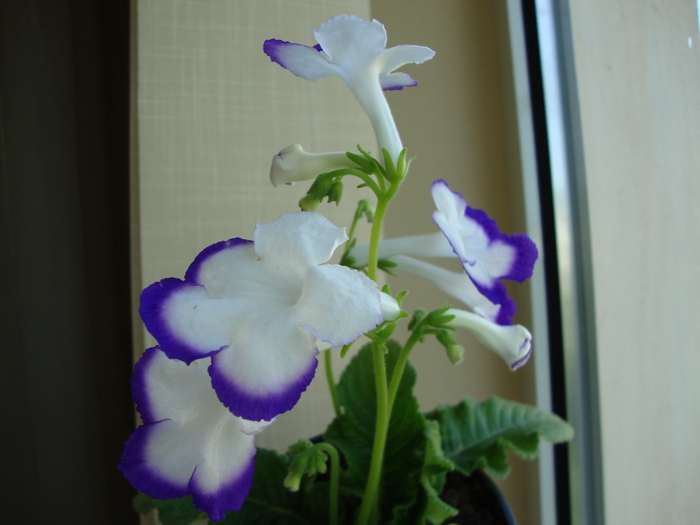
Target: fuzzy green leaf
point(435, 466)
point(402, 499)
point(477, 435)
point(270, 503)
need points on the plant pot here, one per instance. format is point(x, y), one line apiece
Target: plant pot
point(477, 498)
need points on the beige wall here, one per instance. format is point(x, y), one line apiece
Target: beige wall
point(212, 111)
point(638, 69)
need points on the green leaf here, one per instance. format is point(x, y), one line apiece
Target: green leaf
point(143, 503)
point(432, 479)
point(270, 503)
point(178, 511)
point(477, 435)
point(401, 500)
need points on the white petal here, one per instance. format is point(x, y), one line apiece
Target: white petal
point(297, 240)
point(338, 304)
point(351, 41)
point(190, 443)
point(397, 56)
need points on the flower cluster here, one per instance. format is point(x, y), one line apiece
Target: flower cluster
point(238, 337)
point(248, 318)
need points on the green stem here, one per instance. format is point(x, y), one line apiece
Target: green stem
point(399, 368)
point(327, 359)
point(376, 233)
point(335, 480)
point(369, 509)
point(370, 501)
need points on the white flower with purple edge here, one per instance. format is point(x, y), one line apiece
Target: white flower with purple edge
point(189, 442)
point(259, 308)
point(486, 254)
point(355, 50)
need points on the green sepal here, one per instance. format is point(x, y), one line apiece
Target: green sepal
point(477, 435)
point(309, 203)
point(307, 460)
point(335, 193)
point(386, 265)
point(362, 161)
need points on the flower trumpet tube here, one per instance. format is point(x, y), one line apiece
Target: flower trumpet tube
point(458, 285)
point(355, 50)
point(428, 245)
point(189, 442)
point(293, 164)
point(513, 343)
point(258, 309)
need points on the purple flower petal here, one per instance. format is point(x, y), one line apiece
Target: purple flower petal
point(259, 403)
point(159, 303)
point(487, 255)
point(304, 61)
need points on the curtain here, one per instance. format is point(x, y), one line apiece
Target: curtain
point(64, 233)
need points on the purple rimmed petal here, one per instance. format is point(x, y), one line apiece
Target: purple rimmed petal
point(338, 304)
point(171, 308)
point(396, 81)
point(189, 442)
point(259, 386)
point(304, 61)
point(196, 274)
point(487, 255)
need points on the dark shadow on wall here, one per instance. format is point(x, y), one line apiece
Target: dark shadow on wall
point(65, 334)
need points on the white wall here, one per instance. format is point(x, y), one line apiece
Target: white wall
point(638, 70)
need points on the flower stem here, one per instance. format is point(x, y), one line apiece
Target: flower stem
point(399, 367)
point(370, 501)
point(327, 359)
point(369, 510)
point(335, 480)
point(375, 235)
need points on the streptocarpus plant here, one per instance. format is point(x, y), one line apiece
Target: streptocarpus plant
point(239, 339)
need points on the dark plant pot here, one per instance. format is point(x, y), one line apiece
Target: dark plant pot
point(477, 498)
